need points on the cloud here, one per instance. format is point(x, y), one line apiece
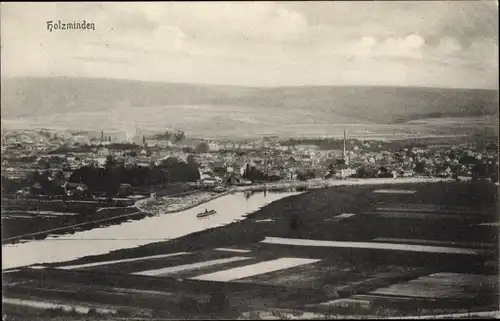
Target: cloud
point(251, 20)
point(259, 43)
point(449, 46)
point(410, 46)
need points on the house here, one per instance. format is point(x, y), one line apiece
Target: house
point(306, 159)
point(273, 172)
point(117, 152)
point(75, 189)
point(101, 161)
point(75, 186)
point(344, 171)
point(204, 175)
point(214, 146)
point(103, 151)
point(446, 172)
point(208, 183)
point(143, 164)
point(406, 173)
point(243, 169)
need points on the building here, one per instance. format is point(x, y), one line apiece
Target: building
point(103, 151)
point(343, 171)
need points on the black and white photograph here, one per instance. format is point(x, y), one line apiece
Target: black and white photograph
point(225, 160)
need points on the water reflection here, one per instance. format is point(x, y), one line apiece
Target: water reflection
point(130, 234)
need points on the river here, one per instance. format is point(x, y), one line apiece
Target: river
point(131, 234)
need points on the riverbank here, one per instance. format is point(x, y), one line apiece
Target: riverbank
point(323, 203)
point(135, 231)
point(183, 201)
point(178, 203)
point(325, 183)
point(331, 273)
point(18, 229)
point(116, 215)
point(171, 204)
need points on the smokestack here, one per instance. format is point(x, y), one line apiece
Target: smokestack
point(102, 135)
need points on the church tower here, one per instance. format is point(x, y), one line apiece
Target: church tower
point(344, 154)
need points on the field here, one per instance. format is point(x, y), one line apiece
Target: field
point(26, 216)
point(371, 263)
point(225, 122)
point(237, 112)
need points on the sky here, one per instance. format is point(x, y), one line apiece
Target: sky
point(416, 43)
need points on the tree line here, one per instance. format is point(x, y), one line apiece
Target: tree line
point(173, 136)
point(39, 183)
point(108, 179)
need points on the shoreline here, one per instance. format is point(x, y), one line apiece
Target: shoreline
point(340, 182)
point(12, 240)
point(260, 187)
point(174, 242)
point(364, 269)
point(187, 207)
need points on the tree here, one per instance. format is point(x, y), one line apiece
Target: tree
point(420, 167)
point(110, 162)
point(179, 171)
point(384, 172)
point(202, 148)
point(480, 170)
point(493, 172)
point(304, 176)
point(467, 160)
point(362, 172)
point(170, 161)
point(35, 178)
point(166, 135)
point(44, 163)
point(59, 175)
point(254, 174)
point(190, 160)
point(56, 160)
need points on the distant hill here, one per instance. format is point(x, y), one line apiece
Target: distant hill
point(44, 96)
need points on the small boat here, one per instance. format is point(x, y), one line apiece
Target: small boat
point(206, 213)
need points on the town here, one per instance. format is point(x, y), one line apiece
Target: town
point(275, 160)
point(172, 200)
point(45, 162)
